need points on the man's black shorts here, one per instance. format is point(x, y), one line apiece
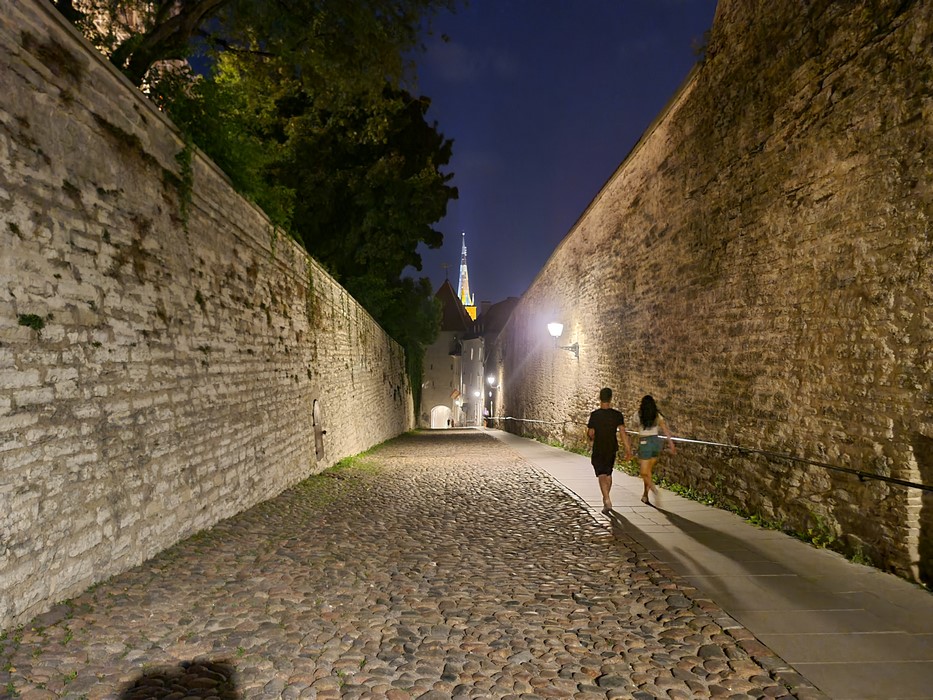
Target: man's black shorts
point(603, 463)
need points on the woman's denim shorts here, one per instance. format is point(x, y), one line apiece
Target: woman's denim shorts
point(649, 446)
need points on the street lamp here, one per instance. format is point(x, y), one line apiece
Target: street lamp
point(556, 329)
point(489, 402)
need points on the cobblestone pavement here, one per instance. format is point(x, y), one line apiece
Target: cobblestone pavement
point(438, 566)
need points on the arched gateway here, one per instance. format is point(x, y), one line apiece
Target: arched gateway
point(440, 417)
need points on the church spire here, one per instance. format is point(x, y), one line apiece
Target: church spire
point(463, 287)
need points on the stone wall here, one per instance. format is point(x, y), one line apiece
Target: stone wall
point(158, 370)
point(761, 264)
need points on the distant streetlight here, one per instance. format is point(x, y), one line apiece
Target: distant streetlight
point(491, 379)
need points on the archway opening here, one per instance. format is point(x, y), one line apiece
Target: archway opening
point(440, 417)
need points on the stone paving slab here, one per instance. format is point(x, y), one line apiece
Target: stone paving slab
point(845, 647)
point(853, 621)
point(852, 680)
point(442, 565)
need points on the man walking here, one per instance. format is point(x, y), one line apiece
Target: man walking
point(602, 429)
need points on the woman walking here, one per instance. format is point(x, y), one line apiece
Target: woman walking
point(649, 442)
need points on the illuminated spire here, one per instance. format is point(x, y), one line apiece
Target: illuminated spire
point(463, 286)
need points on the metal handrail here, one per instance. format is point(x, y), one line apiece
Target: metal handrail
point(862, 475)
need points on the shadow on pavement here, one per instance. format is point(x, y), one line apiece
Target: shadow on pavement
point(703, 561)
point(190, 679)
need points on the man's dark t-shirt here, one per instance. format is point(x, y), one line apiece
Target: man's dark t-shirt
point(604, 422)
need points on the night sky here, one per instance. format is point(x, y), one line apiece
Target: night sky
point(543, 100)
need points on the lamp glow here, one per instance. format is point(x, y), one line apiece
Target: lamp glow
point(556, 329)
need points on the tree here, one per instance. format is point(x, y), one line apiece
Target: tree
point(371, 184)
point(299, 103)
point(233, 121)
point(329, 45)
point(358, 183)
point(416, 319)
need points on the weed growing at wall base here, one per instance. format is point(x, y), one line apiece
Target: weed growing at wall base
point(323, 488)
point(818, 534)
point(576, 449)
point(859, 557)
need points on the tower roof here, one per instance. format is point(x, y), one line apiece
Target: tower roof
point(463, 286)
point(453, 316)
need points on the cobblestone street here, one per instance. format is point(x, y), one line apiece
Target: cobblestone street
point(440, 565)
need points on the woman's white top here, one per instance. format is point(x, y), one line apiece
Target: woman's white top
point(653, 430)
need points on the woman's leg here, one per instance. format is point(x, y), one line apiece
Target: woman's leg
point(646, 465)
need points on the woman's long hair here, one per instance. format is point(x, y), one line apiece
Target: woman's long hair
point(647, 411)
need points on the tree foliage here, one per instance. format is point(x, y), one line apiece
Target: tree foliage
point(233, 124)
point(339, 46)
point(370, 171)
point(299, 102)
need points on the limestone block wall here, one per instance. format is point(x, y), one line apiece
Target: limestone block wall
point(761, 264)
point(158, 369)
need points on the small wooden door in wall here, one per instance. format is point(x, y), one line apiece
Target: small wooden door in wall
point(319, 432)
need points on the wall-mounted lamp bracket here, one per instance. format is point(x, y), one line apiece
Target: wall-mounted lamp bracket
point(575, 349)
point(556, 329)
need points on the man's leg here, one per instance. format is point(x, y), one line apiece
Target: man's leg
point(605, 484)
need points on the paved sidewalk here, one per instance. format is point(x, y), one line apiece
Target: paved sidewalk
point(851, 630)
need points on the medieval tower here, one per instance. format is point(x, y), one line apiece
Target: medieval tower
point(463, 287)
